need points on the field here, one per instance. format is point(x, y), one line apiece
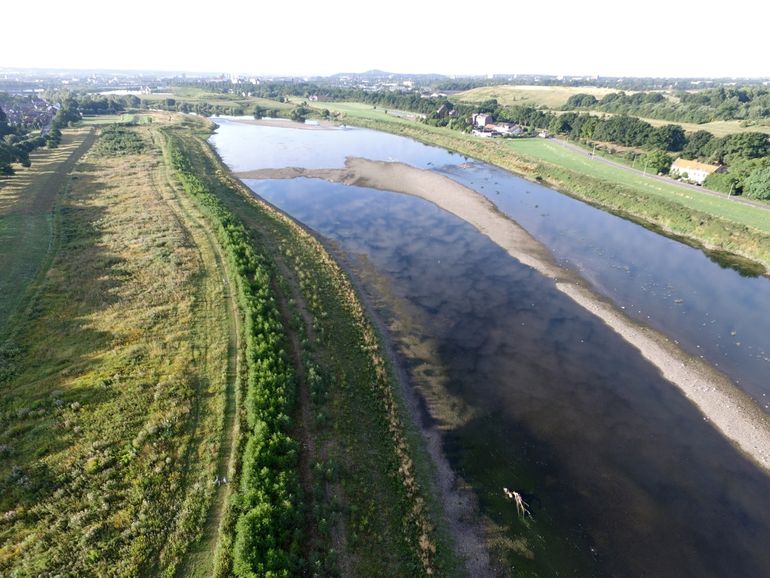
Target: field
point(27, 202)
point(549, 96)
point(718, 128)
point(114, 379)
point(550, 151)
point(192, 387)
point(192, 96)
point(100, 119)
point(361, 110)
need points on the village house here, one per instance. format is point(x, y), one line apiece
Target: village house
point(443, 111)
point(693, 171)
point(504, 128)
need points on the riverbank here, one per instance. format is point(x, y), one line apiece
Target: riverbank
point(364, 473)
point(729, 409)
point(713, 229)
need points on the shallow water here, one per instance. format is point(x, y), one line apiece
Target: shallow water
point(623, 475)
point(713, 312)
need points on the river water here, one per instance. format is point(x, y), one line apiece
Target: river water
point(624, 477)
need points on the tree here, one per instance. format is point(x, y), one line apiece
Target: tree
point(299, 114)
point(723, 182)
point(4, 128)
point(697, 144)
point(581, 100)
point(6, 158)
point(757, 184)
point(657, 162)
point(733, 147)
point(669, 137)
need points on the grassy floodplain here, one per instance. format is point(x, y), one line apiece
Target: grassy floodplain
point(114, 377)
point(181, 332)
point(193, 96)
point(716, 224)
point(550, 96)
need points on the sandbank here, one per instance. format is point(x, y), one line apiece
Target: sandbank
point(730, 410)
point(286, 123)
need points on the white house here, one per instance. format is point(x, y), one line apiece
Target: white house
point(505, 128)
point(693, 171)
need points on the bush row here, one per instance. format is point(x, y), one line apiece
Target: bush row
point(267, 532)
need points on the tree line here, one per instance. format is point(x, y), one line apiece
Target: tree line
point(16, 143)
point(750, 103)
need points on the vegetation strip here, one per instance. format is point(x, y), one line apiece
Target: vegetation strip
point(267, 535)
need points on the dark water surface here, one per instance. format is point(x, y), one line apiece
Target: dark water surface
point(624, 476)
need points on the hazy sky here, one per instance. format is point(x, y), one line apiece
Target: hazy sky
point(577, 37)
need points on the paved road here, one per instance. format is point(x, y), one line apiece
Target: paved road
point(668, 181)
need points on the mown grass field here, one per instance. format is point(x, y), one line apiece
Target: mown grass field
point(101, 119)
point(27, 210)
point(550, 96)
point(361, 110)
point(192, 95)
point(550, 151)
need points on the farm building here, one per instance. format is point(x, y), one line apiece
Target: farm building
point(693, 171)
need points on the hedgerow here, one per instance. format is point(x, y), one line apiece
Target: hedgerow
point(268, 527)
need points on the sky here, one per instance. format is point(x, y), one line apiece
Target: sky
point(663, 38)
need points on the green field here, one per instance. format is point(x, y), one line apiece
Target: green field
point(550, 151)
point(102, 119)
point(192, 96)
point(364, 111)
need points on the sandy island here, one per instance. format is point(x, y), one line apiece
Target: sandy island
point(726, 407)
point(285, 123)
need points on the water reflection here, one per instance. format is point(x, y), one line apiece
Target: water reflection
point(623, 475)
point(245, 147)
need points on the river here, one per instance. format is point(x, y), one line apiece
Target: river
point(623, 475)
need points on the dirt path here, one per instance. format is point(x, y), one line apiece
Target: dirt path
point(199, 560)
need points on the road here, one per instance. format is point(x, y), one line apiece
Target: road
point(667, 180)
